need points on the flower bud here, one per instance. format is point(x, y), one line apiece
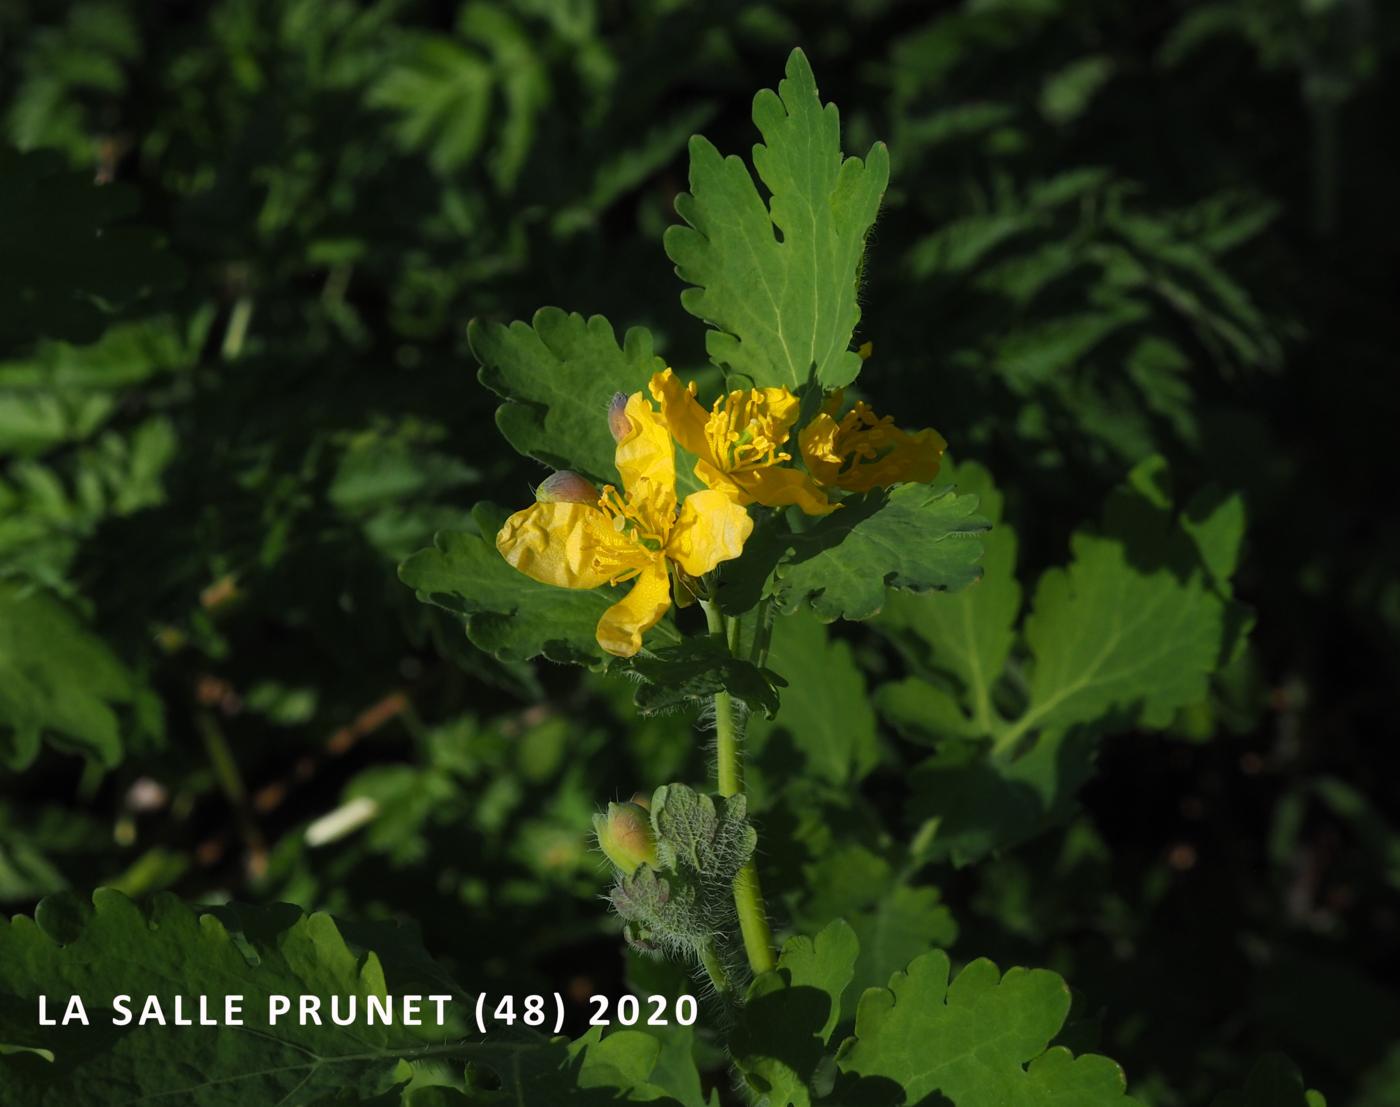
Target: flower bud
point(618, 423)
point(565, 487)
point(625, 836)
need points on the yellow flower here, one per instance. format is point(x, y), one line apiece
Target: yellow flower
point(864, 451)
point(633, 535)
point(739, 443)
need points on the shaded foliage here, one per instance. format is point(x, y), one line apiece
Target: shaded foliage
point(237, 393)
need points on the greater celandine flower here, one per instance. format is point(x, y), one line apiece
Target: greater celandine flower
point(634, 535)
point(862, 450)
point(739, 443)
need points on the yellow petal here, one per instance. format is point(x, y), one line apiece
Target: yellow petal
point(711, 528)
point(782, 406)
point(712, 477)
point(913, 458)
point(818, 442)
point(568, 545)
point(646, 458)
point(621, 628)
point(775, 486)
point(682, 412)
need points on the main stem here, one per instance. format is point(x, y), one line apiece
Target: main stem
point(729, 758)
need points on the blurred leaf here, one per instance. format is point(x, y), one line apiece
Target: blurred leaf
point(965, 635)
point(103, 949)
point(825, 712)
point(1067, 92)
point(58, 681)
point(442, 94)
point(70, 259)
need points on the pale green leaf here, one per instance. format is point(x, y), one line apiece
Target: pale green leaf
point(1273, 1082)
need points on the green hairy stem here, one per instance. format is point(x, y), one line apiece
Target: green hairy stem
point(729, 772)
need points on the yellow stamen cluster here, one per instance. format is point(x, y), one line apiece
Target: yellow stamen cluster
point(633, 518)
point(745, 431)
point(864, 436)
point(864, 451)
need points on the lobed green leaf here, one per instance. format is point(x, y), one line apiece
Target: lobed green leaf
point(779, 282)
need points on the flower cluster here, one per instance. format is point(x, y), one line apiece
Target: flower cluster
point(577, 536)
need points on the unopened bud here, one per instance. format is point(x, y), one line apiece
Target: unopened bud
point(565, 487)
point(618, 423)
point(625, 836)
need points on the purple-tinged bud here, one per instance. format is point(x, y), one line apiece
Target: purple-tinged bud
point(625, 836)
point(565, 487)
point(618, 423)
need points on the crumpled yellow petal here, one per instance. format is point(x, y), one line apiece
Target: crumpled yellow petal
point(818, 443)
point(621, 628)
point(783, 406)
point(712, 476)
point(646, 460)
point(711, 528)
point(859, 452)
point(779, 487)
point(913, 458)
point(568, 545)
point(683, 413)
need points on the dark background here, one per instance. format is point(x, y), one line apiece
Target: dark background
point(1113, 229)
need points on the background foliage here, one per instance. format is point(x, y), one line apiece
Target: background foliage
point(1116, 233)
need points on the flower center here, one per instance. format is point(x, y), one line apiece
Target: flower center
point(744, 434)
point(635, 517)
point(864, 437)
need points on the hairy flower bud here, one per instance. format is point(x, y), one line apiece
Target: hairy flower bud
point(625, 835)
point(565, 487)
point(618, 423)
